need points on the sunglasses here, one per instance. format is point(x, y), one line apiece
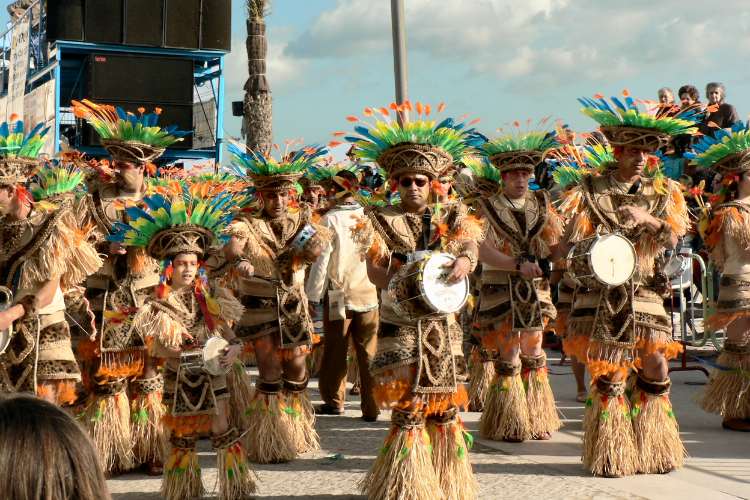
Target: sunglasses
point(406, 182)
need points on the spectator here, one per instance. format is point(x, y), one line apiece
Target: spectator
point(45, 455)
point(666, 96)
point(689, 96)
point(726, 115)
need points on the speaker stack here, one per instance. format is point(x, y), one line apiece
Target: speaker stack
point(184, 24)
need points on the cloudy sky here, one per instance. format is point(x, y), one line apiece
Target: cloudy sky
point(500, 60)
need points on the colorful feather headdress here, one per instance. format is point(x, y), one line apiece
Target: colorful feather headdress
point(728, 151)
point(19, 151)
point(485, 179)
point(324, 173)
point(518, 149)
point(128, 137)
point(270, 173)
point(57, 180)
point(176, 223)
point(640, 123)
point(423, 145)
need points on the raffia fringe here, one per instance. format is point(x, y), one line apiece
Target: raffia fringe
point(300, 416)
point(403, 469)
point(182, 475)
point(64, 391)
point(121, 364)
point(506, 413)
point(269, 438)
point(608, 439)
point(543, 416)
point(240, 390)
point(480, 379)
point(152, 323)
point(657, 434)
point(450, 458)
point(728, 391)
point(721, 320)
point(236, 479)
point(147, 429)
point(107, 419)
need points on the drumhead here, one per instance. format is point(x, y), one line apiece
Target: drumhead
point(445, 298)
point(613, 259)
point(213, 350)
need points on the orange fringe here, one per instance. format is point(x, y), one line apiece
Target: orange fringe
point(670, 349)
point(137, 259)
point(64, 391)
point(191, 425)
point(87, 349)
point(500, 339)
point(122, 364)
point(561, 323)
point(397, 393)
point(721, 320)
point(294, 352)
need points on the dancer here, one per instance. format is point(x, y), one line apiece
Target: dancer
point(339, 279)
point(43, 253)
point(419, 363)
point(272, 250)
point(185, 313)
point(619, 328)
point(126, 429)
point(515, 300)
point(727, 234)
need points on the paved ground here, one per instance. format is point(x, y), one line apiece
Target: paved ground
point(718, 467)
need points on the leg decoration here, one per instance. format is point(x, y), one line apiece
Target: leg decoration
point(269, 438)
point(182, 472)
point(241, 395)
point(450, 455)
point(541, 402)
point(236, 479)
point(107, 418)
point(608, 440)
point(657, 434)
point(146, 426)
point(728, 391)
point(506, 414)
point(403, 469)
point(480, 378)
point(300, 414)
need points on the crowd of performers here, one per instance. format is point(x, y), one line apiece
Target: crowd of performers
point(135, 295)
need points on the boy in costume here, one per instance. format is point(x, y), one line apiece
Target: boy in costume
point(523, 229)
point(271, 250)
point(43, 252)
point(726, 231)
point(419, 364)
point(126, 428)
point(185, 314)
point(619, 328)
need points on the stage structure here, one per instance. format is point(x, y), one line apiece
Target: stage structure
point(130, 53)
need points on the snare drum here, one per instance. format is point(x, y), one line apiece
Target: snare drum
point(419, 289)
point(605, 260)
point(206, 359)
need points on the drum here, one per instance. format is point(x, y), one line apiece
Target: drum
point(419, 289)
point(207, 359)
point(6, 300)
point(604, 260)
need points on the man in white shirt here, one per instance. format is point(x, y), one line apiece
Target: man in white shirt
point(340, 279)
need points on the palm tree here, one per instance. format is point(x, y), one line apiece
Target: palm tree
point(258, 107)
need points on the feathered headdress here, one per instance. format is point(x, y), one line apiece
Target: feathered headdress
point(270, 173)
point(57, 180)
point(175, 223)
point(640, 123)
point(423, 146)
point(518, 149)
point(19, 151)
point(726, 152)
point(324, 173)
point(128, 137)
point(485, 178)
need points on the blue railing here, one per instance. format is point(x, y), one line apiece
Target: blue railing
point(38, 55)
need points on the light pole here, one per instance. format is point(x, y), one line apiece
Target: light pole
point(398, 26)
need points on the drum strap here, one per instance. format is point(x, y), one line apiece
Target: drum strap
point(426, 229)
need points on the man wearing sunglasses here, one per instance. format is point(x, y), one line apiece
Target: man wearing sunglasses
point(515, 303)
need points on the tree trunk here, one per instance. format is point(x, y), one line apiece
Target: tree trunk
point(257, 122)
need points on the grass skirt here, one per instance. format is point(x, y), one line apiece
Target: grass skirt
point(236, 479)
point(182, 475)
point(728, 390)
point(543, 418)
point(450, 457)
point(269, 437)
point(300, 419)
point(146, 427)
point(481, 373)
point(107, 419)
point(506, 413)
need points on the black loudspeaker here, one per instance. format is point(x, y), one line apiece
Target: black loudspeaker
point(144, 22)
point(103, 21)
point(171, 114)
point(137, 78)
point(216, 25)
point(64, 20)
point(182, 23)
